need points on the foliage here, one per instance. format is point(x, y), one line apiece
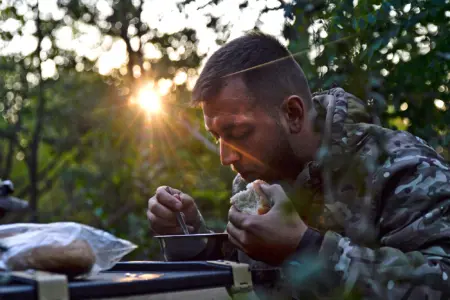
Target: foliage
point(394, 54)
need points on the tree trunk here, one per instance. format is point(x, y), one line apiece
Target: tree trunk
point(33, 162)
point(8, 160)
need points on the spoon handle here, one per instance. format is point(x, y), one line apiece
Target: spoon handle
point(180, 218)
point(181, 222)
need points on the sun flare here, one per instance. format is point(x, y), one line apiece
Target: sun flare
point(149, 100)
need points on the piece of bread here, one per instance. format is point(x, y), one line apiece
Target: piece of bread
point(74, 259)
point(252, 200)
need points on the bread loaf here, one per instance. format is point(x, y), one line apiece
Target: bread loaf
point(252, 200)
point(74, 259)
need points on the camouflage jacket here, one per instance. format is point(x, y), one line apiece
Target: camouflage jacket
point(381, 199)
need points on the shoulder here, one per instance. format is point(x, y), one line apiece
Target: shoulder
point(412, 170)
point(396, 160)
point(392, 149)
point(405, 150)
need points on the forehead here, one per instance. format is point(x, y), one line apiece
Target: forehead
point(233, 104)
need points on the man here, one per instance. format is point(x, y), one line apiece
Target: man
point(377, 198)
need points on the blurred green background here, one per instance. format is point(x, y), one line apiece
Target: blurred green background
point(94, 95)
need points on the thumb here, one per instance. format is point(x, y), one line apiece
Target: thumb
point(281, 204)
point(275, 193)
point(186, 200)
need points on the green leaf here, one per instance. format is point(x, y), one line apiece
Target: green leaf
point(355, 25)
point(362, 23)
point(386, 6)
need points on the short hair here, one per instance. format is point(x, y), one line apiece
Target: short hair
point(267, 68)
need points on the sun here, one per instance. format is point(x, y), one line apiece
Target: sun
point(149, 100)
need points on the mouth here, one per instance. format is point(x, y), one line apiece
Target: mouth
point(248, 176)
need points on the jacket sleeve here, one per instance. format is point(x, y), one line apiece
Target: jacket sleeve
point(413, 258)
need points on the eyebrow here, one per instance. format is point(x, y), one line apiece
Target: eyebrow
point(227, 127)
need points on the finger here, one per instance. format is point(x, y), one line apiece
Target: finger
point(186, 200)
point(164, 227)
point(275, 193)
point(172, 191)
point(236, 235)
point(151, 202)
point(168, 200)
point(236, 243)
point(154, 219)
point(158, 227)
point(163, 212)
point(239, 219)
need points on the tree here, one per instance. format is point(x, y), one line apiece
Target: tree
point(393, 54)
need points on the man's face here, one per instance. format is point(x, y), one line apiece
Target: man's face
point(251, 141)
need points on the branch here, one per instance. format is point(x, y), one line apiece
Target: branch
point(206, 4)
point(9, 160)
point(11, 133)
point(140, 24)
point(44, 174)
point(7, 134)
point(1, 159)
point(266, 10)
point(49, 182)
point(140, 33)
point(50, 165)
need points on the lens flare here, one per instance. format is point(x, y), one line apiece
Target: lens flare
point(149, 100)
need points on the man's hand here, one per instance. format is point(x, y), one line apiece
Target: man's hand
point(163, 206)
point(271, 237)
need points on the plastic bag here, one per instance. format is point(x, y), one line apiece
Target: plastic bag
point(18, 238)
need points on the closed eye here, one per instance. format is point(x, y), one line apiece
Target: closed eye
point(240, 133)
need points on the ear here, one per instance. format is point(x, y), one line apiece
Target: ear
point(293, 110)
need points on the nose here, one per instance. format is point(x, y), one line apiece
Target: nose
point(228, 154)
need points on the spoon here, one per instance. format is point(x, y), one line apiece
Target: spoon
point(180, 218)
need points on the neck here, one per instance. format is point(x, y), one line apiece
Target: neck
point(306, 147)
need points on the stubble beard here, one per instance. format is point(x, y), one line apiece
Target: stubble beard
point(283, 162)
